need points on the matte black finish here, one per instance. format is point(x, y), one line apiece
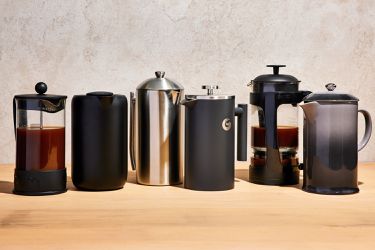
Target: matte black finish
point(275, 82)
point(330, 96)
point(241, 113)
point(209, 143)
point(41, 88)
point(39, 182)
point(99, 141)
point(269, 92)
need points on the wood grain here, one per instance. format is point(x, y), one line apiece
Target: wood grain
point(143, 217)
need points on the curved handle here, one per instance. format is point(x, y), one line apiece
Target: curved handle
point(132, 127)
point(241, 113)
point(368, 129)
point(14, 115)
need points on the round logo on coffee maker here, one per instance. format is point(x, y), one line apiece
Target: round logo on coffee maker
point(226, 124)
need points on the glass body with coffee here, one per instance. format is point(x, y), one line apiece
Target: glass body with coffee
point(39, 123)
point(274, 128)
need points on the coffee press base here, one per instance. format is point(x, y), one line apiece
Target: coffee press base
point(261, 175)
point(330, 191)
point(39, 182)
point(208, 187)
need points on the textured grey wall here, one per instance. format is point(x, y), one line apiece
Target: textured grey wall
point(80, 46)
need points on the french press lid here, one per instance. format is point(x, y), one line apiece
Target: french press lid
point(210, 94)
point(41, 101)
point(160, 82)
point(330, 96)
point(275, 82)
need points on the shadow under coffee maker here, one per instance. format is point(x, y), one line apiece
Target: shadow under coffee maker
point(274, 129)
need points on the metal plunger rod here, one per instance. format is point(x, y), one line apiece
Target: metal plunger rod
point(41, 120)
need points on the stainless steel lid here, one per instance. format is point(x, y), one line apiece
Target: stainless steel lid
point(159, 83)
point(330, 96)
point(210, 94)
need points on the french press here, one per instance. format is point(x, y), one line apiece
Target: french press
point(155, 131)
point(39, 124)
point(274, 129)
point(209, 140)
point(330, 135)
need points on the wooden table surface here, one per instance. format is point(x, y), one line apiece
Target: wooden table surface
point(144, 217)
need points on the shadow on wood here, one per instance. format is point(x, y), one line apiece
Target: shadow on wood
point(242, 174)
point(6, 187)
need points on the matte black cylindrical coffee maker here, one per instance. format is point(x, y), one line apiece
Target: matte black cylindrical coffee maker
point(99, 141)
point(274, 130)
point(209, 140)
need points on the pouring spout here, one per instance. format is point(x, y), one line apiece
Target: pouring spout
point(189, 103)
point(309, 108)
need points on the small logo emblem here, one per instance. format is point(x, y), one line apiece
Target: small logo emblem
point(227, 124)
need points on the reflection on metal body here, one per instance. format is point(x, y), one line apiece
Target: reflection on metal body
point(156, 139)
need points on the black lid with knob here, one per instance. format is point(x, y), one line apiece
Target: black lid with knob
point(330, 96)
point(41, 101)
point(275, 82)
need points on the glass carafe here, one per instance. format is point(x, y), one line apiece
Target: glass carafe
point(39, 123)
point(287, 136)
point(274, 128)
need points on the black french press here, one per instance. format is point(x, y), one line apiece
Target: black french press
point(274, 130)
point(209, 140)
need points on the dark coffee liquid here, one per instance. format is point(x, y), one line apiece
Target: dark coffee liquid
point(40, 149)
point(286, 137)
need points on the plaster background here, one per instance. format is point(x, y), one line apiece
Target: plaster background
point(78, 46)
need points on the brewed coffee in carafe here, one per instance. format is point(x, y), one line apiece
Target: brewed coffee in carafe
point(39, 126)
point(274, 130)
point(287, 137)
point(40, 148)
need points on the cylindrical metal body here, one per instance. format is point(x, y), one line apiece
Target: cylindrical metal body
point(156, 140)
point(99, 141)
point(209, 140)
point(158, 156)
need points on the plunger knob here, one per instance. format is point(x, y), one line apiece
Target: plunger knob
point(41, 88)
point(210, 88)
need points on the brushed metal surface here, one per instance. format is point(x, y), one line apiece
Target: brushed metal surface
point(157, 138)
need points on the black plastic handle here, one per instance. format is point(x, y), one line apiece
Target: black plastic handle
point(276, 68)
point(241, 113)
point(14, 115)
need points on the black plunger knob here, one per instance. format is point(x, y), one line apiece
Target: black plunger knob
point(276, 68)
point(41, 88)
